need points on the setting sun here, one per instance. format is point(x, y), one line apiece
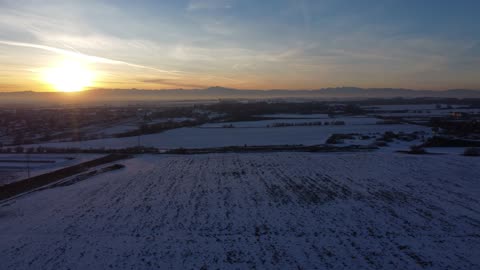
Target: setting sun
point(69, 76)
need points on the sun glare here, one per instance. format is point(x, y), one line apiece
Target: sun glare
point(69, 76)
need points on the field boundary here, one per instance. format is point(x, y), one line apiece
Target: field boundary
point(271, 148)
point(29, 184)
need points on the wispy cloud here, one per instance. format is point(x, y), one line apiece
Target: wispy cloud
point(170, 82)
point(209, 4)
point(85, 57)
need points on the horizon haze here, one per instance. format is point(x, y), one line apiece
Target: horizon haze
point(136, 96)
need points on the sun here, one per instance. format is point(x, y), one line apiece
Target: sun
point(69, 76)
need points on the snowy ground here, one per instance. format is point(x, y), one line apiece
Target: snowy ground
point(422, 110)
point(126, 125)
point(296, 116)
point(411, 107)
point(41, 163)
point(254, 211)
point(351, 120)
point(217, 137)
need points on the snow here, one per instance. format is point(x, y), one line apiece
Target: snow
point(262, 211)
point(421, 110)
point(196, 137)
point(129, 125)
point(360, 120)
point(117, 129)
point(402, 107)
point(14, 171)
point(294, 116)
point(172, 119)
point(429, 113)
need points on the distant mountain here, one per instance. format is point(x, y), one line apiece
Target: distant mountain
point(213, 93)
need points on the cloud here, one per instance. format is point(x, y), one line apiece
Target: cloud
point(170, 82)
point(209, 4)
point(86, 57)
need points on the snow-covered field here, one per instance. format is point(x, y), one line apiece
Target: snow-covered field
point(254, 211)
point(359, 120)
point(403, 107)
point(127, 125)
point(430, 113)
point(109, 131)
point(422, 110)
point(296, 116)
point(218, 137)
point(16, 168)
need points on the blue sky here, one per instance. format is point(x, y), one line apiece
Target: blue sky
point(425, 44)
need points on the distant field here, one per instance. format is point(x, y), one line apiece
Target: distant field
point(125, 126)
point(358, 120)
point(196, 137)
point(263, 211)
point(296, 116)
point(423, 110)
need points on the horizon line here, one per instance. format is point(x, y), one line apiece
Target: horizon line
point(245, 89)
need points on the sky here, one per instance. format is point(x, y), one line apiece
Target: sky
point(246, 44)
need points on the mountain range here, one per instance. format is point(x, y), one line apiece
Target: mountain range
point(214, 93)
